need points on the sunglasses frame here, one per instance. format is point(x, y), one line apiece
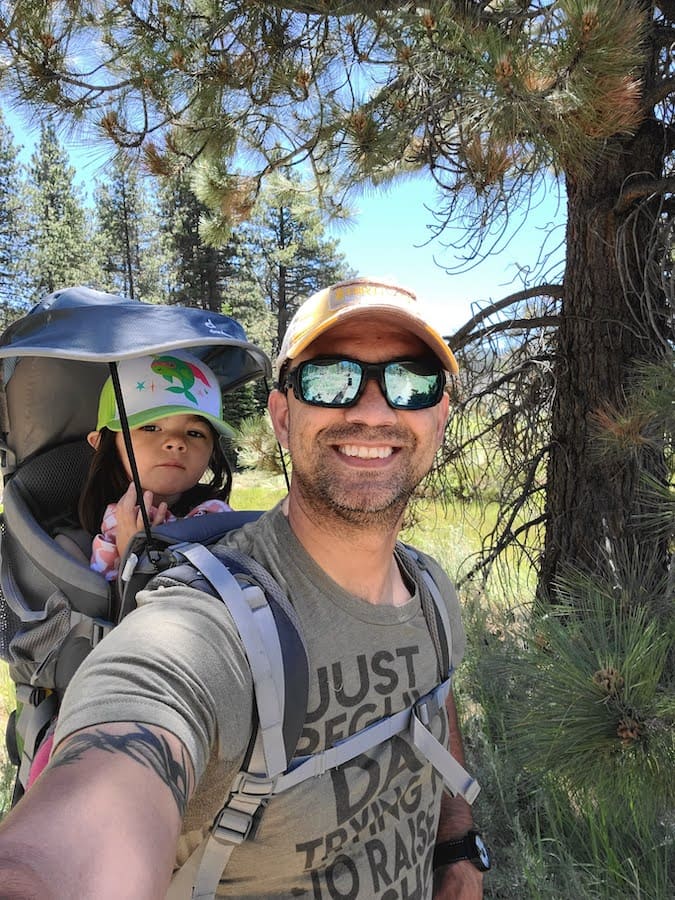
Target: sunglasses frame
point(368, 371)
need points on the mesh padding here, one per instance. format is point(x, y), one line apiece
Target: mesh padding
point(9, 623)
point(40, 500)
point(51, 483)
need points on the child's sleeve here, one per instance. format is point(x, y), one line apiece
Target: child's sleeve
point(104, 556)
point(209, 506)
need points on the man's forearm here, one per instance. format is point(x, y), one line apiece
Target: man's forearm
point(461, 880)
point(58, 842)
point(456, 817)
point(19, 881)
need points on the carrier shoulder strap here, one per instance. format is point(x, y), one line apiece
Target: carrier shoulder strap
point(434, 609)
point(266, 649)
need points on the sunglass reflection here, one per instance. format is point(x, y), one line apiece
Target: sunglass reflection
point(336, 382)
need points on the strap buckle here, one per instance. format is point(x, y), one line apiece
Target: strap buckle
point(428, 706)
point(238, 818)
point(231, 826)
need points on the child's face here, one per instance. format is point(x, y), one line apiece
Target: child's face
point(172, 454)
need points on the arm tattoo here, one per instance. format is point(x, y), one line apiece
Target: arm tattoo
point(142, 745)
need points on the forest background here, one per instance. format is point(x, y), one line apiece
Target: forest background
point(560, 441)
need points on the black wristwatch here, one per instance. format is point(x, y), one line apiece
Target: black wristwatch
point(471, 847)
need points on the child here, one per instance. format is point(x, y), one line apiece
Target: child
point(174, 408)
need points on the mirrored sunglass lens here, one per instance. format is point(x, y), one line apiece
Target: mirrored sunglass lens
point(411, 385)
point(333, 381)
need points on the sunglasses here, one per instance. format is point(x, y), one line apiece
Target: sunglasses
point(335, 381)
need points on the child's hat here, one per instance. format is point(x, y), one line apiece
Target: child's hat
point(157, 386)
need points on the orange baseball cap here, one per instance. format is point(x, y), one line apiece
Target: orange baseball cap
point(359, 297)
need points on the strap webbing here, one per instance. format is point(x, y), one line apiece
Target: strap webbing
point(455, 777)
point(442, 612)
point(411, 719)
point(253, 618)
point(31, 723)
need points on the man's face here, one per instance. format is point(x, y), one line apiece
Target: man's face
point(359, 463)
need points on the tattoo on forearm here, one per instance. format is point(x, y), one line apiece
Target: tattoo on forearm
point(142, 745)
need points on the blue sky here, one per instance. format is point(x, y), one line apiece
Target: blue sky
point(389, 237)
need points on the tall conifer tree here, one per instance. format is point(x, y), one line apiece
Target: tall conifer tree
point(130, 247)
point(489, 97)
point(60, 251)
point(14, 247)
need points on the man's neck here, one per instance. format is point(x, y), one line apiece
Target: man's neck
point(360, 559)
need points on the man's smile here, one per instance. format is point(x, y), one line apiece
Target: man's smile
point(365, 452)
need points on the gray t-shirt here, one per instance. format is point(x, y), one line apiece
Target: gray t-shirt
point(365, 830)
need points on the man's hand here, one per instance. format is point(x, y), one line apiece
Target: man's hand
point(459, 881)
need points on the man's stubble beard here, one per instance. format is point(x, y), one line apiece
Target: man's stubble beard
point(363, 504)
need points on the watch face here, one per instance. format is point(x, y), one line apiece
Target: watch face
point(482, 850)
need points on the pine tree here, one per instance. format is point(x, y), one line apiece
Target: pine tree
point(290, 253)
point(197, 267)
point(129, 243)
point(14, 248)
point(490, 98)
point(60, 252)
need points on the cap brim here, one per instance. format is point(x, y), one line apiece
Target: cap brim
point(164, 412)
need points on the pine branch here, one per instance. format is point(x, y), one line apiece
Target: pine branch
point(661, 91)
point(526, 324)
point(668, 8)
point(506, 538)
point(496, 383)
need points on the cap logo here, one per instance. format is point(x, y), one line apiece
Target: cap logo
point(346, 294)
point(171, 369)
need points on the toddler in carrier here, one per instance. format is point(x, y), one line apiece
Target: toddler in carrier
point(174, 408)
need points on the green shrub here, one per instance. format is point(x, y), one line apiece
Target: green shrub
point(7, 770)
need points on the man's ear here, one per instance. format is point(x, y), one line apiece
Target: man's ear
point(93, 439)
point(277, 404)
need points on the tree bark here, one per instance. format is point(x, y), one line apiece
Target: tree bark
point(608, 323)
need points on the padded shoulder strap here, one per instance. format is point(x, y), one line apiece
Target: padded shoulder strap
point(273, 641)
point(435, 612)
point(277, 656)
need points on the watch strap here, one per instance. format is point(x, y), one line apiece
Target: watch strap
point(463, 848)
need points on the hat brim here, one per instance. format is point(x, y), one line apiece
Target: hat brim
point(409, 322)
point(137, 420)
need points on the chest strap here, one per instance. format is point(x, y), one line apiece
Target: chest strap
point(251, 793)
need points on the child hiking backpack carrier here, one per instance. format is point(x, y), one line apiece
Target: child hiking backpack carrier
point(54, 362)
point(54, 609)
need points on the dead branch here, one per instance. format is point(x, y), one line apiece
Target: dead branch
point(459, 338)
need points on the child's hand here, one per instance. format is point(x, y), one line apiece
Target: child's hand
point(130, 518)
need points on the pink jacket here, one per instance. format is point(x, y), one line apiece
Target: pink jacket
point(104, 556)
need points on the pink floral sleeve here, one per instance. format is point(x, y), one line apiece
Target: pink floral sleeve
point(104, 556)
point(209, 506)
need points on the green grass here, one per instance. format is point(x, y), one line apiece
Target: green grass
point(7, 703)
point(253, 491)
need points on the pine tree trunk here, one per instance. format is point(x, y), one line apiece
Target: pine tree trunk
point(595, 501)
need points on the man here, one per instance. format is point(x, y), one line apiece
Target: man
point(157, 720)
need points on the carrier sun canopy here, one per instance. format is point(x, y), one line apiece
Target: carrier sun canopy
point(56, 358)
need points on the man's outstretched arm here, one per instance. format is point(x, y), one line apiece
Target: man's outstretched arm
point(102, 820)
